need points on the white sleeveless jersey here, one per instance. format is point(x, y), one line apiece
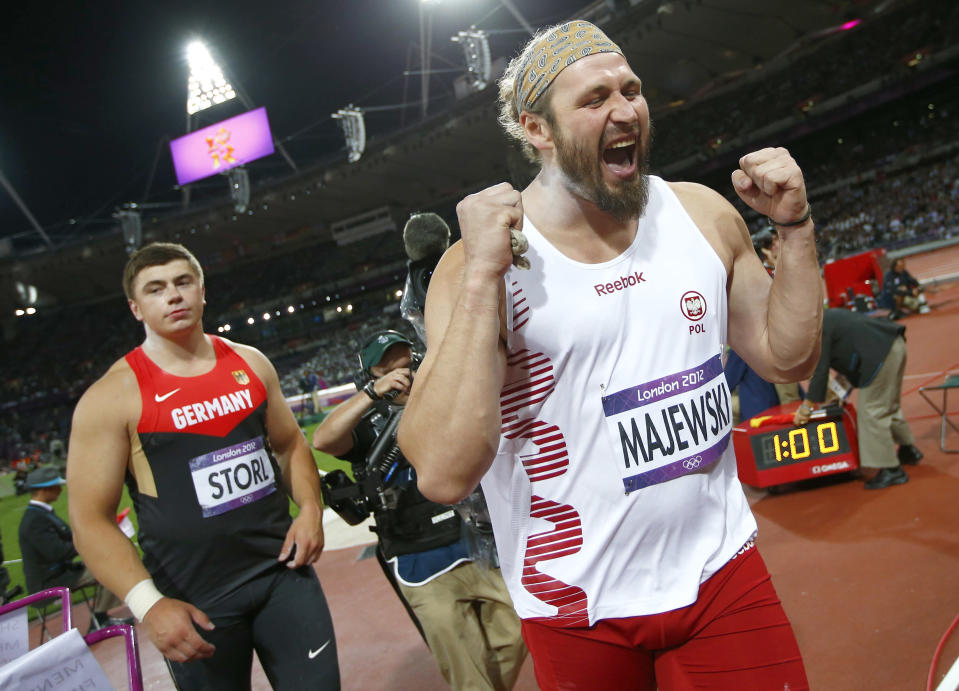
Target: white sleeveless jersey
point(614, 490)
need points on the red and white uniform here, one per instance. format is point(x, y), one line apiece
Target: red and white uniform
point(614, 490)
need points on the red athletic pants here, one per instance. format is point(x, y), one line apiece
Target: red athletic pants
point(735, 637)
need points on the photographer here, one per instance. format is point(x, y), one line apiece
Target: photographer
point(463, 609)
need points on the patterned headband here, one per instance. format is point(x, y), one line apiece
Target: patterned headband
point(553, 53)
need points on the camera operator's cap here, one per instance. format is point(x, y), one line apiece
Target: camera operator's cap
point(371, 355)
point(44, 476)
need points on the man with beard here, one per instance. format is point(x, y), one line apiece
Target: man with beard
point(587, 393)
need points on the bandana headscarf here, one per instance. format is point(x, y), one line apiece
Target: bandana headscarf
point(553, 53)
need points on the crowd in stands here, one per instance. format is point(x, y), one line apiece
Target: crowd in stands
point(886, 177)
point(823, 69)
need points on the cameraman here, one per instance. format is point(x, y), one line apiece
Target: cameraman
point(464, 609)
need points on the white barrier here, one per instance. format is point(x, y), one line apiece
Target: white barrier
point(322, 399)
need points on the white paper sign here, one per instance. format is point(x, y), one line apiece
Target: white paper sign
point(14, 635)
point(64, 662)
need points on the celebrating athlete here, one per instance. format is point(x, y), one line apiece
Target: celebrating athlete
point(587, 392)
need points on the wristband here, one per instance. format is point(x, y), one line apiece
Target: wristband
point(142, 597)
point(803, 219)
point(370, 391)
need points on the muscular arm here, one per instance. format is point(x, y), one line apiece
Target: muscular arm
point(96, 466)
point(299, 475)
point(780, 331)
point(776, 328)
point(774, 325)
point(455, 397)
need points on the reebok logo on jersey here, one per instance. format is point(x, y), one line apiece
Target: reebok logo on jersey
point(620, 283)
point(159, 399)
point(195, 413)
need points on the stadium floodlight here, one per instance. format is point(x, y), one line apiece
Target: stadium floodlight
point(354, 129)
point(206, 86)
point(239, 189)
point(132, 227)
point(478, 65)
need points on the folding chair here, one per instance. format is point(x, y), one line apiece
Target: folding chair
point(42, 606)
point(951, 382)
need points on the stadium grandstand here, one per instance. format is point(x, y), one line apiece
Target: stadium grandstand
point(864, 94)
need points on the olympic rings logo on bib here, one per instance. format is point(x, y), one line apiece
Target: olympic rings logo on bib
point(692, 463)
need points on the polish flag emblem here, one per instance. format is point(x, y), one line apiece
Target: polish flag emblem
point(693, 305)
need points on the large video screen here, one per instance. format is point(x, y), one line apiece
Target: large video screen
point(221, 146)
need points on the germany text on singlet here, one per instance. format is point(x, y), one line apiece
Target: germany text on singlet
point(212, 513)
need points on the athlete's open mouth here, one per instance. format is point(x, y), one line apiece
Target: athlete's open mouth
point(620, 157)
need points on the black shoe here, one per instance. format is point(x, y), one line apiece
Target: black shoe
point(909, 454)
point(886, 477)
point(896, 315)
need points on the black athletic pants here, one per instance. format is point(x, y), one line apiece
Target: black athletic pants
point(282, 615)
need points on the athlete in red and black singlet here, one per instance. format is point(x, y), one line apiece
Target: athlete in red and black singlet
point(213, 519)
point(187, 424)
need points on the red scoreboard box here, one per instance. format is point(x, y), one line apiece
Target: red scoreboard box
point(777, 453)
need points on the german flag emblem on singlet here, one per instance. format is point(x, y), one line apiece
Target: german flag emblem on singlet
point(241, 377)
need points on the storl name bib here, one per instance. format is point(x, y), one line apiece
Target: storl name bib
point(232, 477)
point(670, 426)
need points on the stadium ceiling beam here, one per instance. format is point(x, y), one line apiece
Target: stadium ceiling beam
point(26, 211)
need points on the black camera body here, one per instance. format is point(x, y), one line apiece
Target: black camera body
point(406, 522)
point(371, 492)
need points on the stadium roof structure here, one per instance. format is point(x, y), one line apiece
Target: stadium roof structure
point(684, 50)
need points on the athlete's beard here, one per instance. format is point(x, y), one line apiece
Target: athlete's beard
point(627, 198)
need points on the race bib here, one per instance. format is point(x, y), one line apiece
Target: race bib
point(671, 426)
point(228, 478)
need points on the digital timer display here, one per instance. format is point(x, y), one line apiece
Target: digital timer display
point(813, 441)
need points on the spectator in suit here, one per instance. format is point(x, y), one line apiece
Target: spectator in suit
point(46, 543)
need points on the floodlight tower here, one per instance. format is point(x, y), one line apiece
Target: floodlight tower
point(478, 64)
point(208, 85)
point(132, 226)
point(354, 130)
point(475, 45)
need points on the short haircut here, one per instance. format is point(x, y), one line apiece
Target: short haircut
point(509, 110)
point(156, 254)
